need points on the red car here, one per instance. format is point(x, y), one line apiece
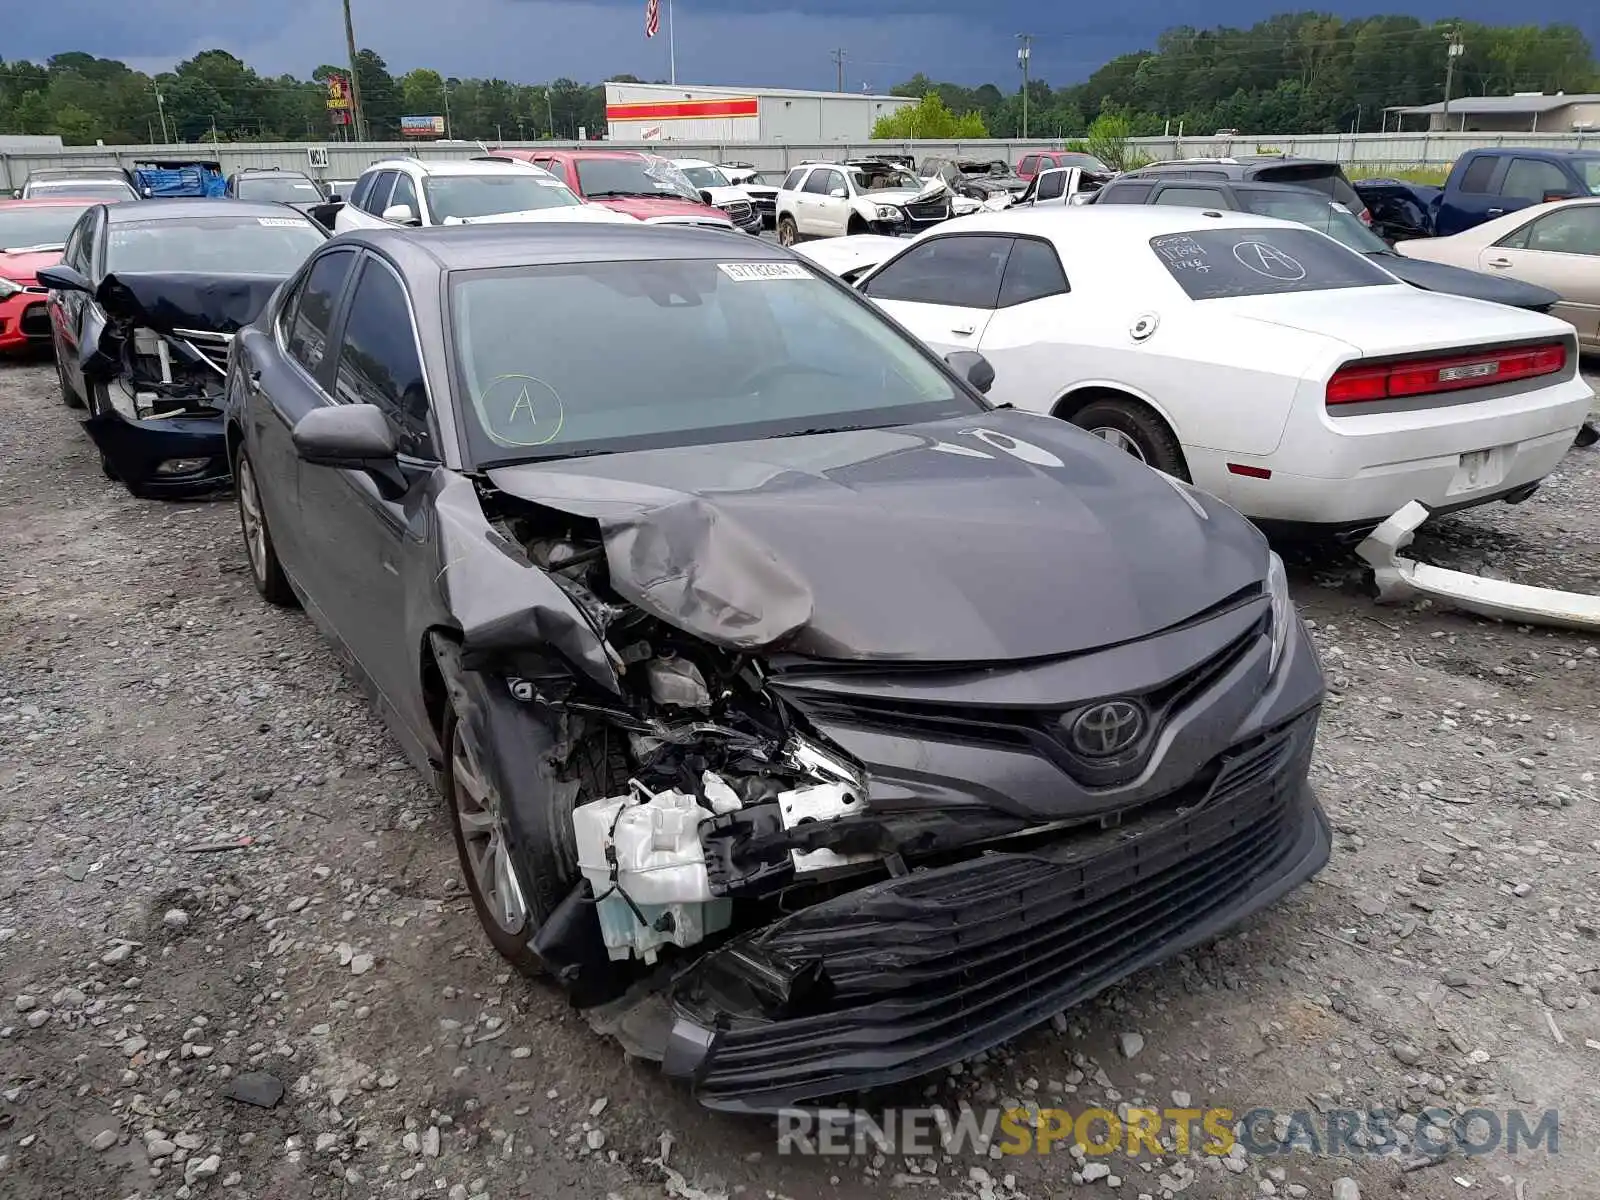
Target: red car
point(1030, 165)
point(628, 182)
point(32, 235)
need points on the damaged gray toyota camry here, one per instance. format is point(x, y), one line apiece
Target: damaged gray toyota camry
point(813, 722)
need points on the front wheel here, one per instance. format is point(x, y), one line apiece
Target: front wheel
point(788, 232)
point(266, 572)
point(69, 397)
point(1136, 431)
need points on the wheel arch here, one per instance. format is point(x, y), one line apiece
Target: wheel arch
point(1078, 397)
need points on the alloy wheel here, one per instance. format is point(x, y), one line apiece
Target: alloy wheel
point(250, 520)
point(483, 834)
point(1120, 440)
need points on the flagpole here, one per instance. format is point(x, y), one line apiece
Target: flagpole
point(672, 46)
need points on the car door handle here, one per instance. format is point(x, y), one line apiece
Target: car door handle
point(1495, 212)
point(1500, 262)
point(963, 330)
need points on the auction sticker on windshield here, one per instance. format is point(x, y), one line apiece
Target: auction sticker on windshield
point(747, 272)
point(280, 222)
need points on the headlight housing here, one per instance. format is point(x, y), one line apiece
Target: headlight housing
point(887, 212)
point(9, 288)
point(1283, 614)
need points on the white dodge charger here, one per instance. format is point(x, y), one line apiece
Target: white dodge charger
point(1258, 359)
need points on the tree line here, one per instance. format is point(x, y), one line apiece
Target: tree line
point(1293, 73)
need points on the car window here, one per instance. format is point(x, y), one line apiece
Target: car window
point(1125, 193)
point(1191, 197)
point(278, 187)
point(791, 181)
point(1570, 231)
point(76, 254)
point(1478, 174)
point(313, 315)
point(1030, 164)
point(405, 192)
point(46, 226)
point(557, 168)
point(820, 182)
point(1032, 272)
point(358, 194)
point(1211, 264)
point(378, 197)
point(737, 350)
point(1318, 212)
point(378, 358)
point(1530, 179)
point(213, 245)
point(959, 270)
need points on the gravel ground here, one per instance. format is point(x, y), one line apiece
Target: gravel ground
point(218, 878)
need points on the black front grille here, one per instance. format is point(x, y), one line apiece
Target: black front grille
point(928, 210)
point(948, 960)
point(739, 210)
point(35, 322)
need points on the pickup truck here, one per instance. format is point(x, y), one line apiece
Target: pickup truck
point(1483, 185)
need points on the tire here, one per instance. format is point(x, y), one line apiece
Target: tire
point(788, 232)
point(856, 226)
point(69, 397)
point(535, 833)
point(1133, 428)
point(266, 572)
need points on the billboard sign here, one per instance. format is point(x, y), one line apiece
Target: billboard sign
point(338, 92)
point(422, 126)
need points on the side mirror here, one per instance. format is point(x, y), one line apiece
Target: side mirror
point(839, 193)
point(62, 278)
point(335, 198)
point(356, 437)
point(705, 197)
point(402, 214)
point(973, 367)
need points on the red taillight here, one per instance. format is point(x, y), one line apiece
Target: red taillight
point(1366, 217)
point(1427, 376)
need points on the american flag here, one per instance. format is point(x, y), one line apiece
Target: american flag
point(652, 18)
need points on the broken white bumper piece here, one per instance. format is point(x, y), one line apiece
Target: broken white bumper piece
point(1399, 579)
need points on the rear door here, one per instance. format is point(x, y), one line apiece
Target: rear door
point(822, 208)
point(1559, 250)
point(944, 289)
point(66, 309)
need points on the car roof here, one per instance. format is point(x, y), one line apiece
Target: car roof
point(454, 166)
point(695, 162)
point(76, 172)
point(179, 208)
point(269, 171)
point(550, 243)
point(1236, 185)
point(1129, 220)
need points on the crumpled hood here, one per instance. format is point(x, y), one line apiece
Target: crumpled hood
point(727, 195)
point(174, 300)
point(1000, 536)
point(566, 212)
point(931, 189)
point(647, 208)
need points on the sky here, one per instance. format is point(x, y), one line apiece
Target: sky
point(779, 43)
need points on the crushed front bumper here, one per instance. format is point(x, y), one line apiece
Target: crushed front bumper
point(135, 452)
point(24, 320)
point(910, 974)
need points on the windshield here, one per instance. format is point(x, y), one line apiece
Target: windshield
point(882, 178)
point(44, 227)
point(717, 352)
point(770, 178)
point(95, 189)
point(1589, 168)
point(602, 177)
point(983, 168)
point(466, 196)
point(706, 177)
point(282, 189)
point(213, 245)
point(1322, 215)
point(1211, 264)
point(1084, 162)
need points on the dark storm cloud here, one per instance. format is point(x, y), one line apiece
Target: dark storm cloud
point(718, 41)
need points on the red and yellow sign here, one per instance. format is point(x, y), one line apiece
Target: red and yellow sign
point(338, 91)
point(684, 110)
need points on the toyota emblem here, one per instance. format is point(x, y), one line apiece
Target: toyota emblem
point(1107, 729)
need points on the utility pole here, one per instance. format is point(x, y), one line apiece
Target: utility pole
point(1455, 52)
point(550, 114)
point(161, 109)
point(447, 108)
point(838, 63)
point(1024, 54)
point(357, 117)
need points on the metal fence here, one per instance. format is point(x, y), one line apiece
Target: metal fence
point(346, 160)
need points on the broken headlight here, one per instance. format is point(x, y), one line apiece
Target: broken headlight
point(888, 212)
point(9, 288)
point(1282, 608)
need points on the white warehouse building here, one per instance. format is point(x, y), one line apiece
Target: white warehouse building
point(649, 112)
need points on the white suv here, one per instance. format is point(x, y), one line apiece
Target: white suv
point(836, 199)
point(411, 192)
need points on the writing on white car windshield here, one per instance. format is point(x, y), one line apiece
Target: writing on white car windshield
point(1325, 216)
point(466, 196)
point(602, 177)
point(1214, 264)
point(37, 228)
point(735, 350)
point(213, 245)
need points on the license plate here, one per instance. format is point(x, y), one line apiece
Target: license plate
point(1477, 469)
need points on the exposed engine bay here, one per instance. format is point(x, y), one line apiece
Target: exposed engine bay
point(177, 374)
point(728, 810)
